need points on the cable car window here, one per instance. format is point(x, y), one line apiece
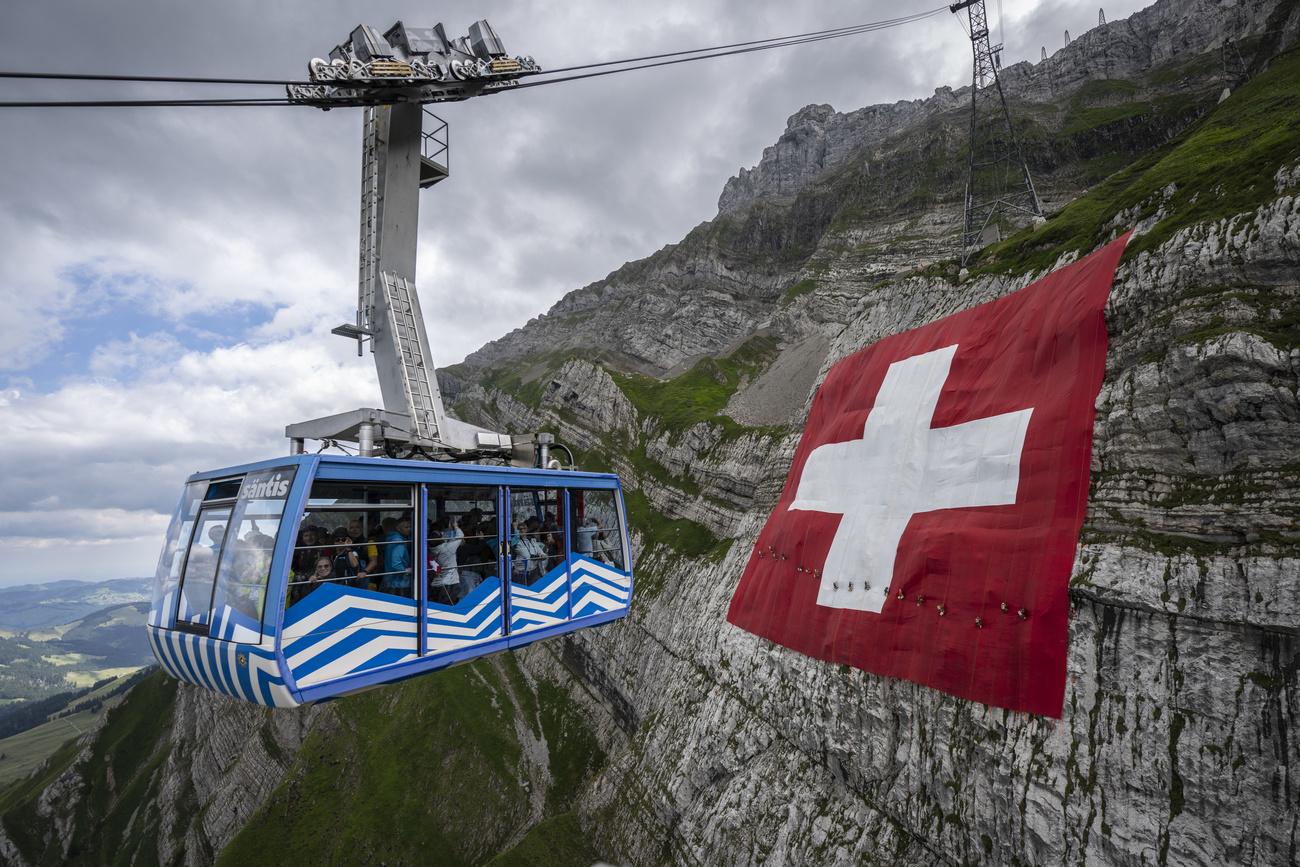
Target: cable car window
point(201, 566)
point(225, 489)
point(168, 575)
point(354, 535)
point(595, 527)
point(462, 534)
point(350, 493)
point(536, 536)
point(237, 602)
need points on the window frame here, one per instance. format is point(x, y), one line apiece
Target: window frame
point(205, 506)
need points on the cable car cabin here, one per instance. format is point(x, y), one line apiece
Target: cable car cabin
point(308, 577)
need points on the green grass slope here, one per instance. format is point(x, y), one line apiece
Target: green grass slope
point(430, 771)
point(1221, 166)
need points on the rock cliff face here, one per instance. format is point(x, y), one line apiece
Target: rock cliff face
point(817, 139)
point(1178, 739)
point(674, 738)
point(886, 182)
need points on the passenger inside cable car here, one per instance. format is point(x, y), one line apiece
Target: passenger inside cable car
point(320, 575)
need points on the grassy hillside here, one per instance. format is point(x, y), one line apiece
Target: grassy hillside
point(44, 727)
point(117, 785)
point(434, 770)
point(451, 768)
point(1221, 166)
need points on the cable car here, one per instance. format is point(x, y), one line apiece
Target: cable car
point(307, 577)
point(303, 578)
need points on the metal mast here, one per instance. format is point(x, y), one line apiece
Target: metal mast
point(999, 180)
point(391, 76)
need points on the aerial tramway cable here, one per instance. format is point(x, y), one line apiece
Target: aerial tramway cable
point(625, 65)
point(135, 103)
point(165, 79)
point(760, 45)
point(775, 42)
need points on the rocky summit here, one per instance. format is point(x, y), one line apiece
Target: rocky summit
point(673, 737)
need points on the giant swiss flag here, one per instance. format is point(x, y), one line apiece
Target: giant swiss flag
point(929, 523)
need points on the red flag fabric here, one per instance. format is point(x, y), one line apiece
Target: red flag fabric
point(929, 523)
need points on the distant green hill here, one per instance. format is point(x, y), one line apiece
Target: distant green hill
point(31, 605)
point(39, 662)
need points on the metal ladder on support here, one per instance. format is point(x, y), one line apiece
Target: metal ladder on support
point(404, 319)
point(369, 223)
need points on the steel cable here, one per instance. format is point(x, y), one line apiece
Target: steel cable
point(626, 65)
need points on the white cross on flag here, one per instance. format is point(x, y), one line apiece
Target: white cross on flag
point(928, 525)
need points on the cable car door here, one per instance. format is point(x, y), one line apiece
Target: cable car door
point(352, 605)
point(465, 597)
point(539, 569)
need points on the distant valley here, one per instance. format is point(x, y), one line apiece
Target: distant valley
point(66, 635)
point(68, 649)
point(61, 602)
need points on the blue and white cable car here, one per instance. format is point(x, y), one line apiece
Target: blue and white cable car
point(308, 577)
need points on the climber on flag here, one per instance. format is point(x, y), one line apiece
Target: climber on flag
point(929, 522)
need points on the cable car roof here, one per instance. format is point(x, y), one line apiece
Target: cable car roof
point(325, 466)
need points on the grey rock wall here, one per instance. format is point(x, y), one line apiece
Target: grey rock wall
point(1180, 735)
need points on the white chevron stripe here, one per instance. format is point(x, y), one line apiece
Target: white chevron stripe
point(604, 590)
point(604, 599)
point(226, 668)
point(232, 665)
point(175, 649)
point(595, 567)
point(211, 669)
point(528, 624)
point(382, 611)
point(462, 633)
point(350, 662)
point(517, 590)
point(280, 695)
point(442, 636)
point(468, 629)
point(597, 581)
point(200, 661)
point(540, 606)
point(168, 644)
point(449, 617)
point(441, 644)
point(317, 648)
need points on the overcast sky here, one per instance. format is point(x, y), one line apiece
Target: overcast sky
point(170, 275)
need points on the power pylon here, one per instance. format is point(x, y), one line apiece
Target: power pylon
point(999, 180)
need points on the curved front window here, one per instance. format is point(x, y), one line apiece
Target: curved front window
point(212, 576)
point(239, 594)
point(167, 578)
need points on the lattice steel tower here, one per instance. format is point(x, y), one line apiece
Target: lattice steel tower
point(999, 180)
